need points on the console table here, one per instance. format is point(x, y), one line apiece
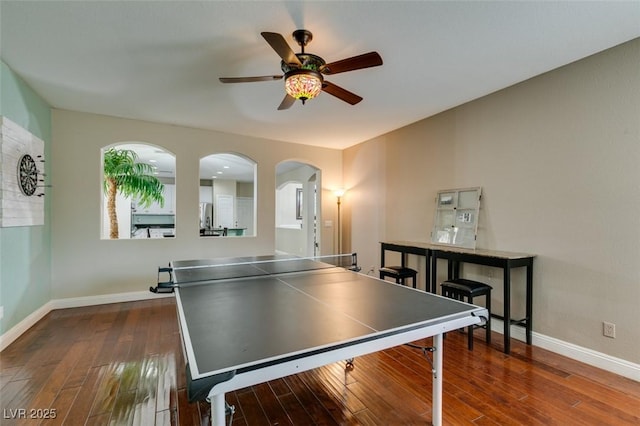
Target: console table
point(455, 256)
point(405, 248)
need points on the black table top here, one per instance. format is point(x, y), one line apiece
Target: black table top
point(230, 324)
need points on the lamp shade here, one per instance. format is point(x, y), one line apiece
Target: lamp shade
point(303, 84)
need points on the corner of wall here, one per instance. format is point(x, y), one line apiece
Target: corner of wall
point(25, 264)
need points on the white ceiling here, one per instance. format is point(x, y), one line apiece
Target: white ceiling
point(160, 61)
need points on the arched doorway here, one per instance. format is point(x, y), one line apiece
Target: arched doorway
point(297, 209)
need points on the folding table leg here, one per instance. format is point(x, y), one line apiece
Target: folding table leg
point(437, 380)
point(218, 410)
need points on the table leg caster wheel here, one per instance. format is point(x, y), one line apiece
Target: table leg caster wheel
point(349, 365)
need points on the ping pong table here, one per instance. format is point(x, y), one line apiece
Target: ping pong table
point(245, 321)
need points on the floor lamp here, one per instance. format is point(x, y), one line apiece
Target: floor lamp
point(339, 193)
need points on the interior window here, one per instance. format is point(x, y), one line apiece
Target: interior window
point(227, 196)
point(138, 192)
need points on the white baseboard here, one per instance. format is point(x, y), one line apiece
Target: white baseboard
point(73, 302)
point(588, 356)
point(103, 299)
point(16, 331)
point(578, 353)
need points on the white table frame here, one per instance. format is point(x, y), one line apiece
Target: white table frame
point(305, 363)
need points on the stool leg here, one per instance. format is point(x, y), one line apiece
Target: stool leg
point(470, 337)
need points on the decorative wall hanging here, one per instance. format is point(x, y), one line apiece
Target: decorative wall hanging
point(456, 217)
point(21, 176)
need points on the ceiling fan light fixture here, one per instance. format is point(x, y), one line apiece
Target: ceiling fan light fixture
point(304, 72)
point(303, 84)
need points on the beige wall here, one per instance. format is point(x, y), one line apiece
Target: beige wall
point(558, 159)
point(85, 265)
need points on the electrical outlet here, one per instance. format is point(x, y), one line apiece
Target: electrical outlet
point(372, 271)
point(609, 329)
point(1, 312)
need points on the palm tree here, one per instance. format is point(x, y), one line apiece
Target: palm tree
point(132, 179)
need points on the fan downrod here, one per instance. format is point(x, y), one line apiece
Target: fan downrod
point(302, 37)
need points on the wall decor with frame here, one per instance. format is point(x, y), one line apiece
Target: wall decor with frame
point(456, 217)
point(299, 203)
point(21, 176)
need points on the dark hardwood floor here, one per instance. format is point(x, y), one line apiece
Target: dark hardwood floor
point(122, 364)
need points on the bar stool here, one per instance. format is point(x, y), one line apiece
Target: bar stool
point(458, 289)
point(399, 273)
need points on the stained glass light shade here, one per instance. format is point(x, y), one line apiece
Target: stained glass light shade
point(303, 84)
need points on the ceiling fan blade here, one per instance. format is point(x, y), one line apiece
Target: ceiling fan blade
point(280, 45)
point(249, 79)
point(366, 60)
point(287, 102)
point(340, 93)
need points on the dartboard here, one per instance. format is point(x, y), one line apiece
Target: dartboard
point(27, 175)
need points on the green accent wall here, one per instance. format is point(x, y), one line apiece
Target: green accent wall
point(25, 252)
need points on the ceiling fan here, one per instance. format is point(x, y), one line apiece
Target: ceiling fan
point(304, 72)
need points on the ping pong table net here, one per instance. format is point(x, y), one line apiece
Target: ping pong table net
point(232, 268)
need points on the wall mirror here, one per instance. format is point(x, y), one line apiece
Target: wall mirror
point(456, 217)
point(227, 196)
point(134, 219)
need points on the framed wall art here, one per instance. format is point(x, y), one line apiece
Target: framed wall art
point(299, 203)
point(456, 217)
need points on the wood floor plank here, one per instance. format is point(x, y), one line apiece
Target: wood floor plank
point(162, 418)
point(18, 394)
point(604, 395)
point(62, 403)
point(250, 406)
point(100, 420)
point(188, 414)
point(147, 393)
point(336, 382)
point(166, 378)
point(377, 405)
point(44, 398)
point(81, 408)
point(532, 354)
point(367, 418)
point(107, 389)
point(238, 418)
point(279, 387)
point(457, 410)
point(604, 413)
point(270, 403)
point(122, 364)
point(123, 408)
point(7, 375)
point(309, 400)
point(78, 375)
point(336, 405)
point(394, 392)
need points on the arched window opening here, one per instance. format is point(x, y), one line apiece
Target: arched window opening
point(138, 192)
point(227, 196)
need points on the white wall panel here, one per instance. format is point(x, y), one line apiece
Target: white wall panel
point(17, 208)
